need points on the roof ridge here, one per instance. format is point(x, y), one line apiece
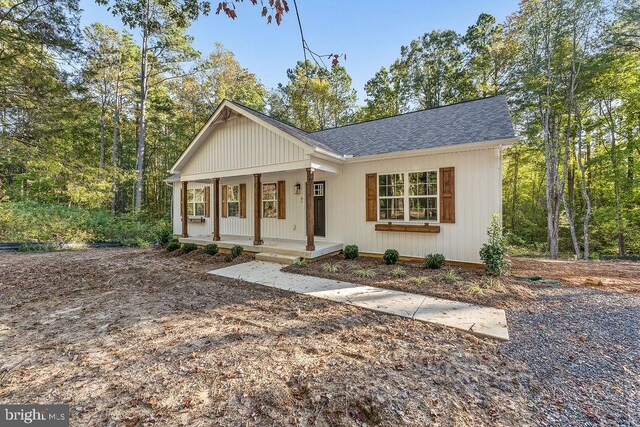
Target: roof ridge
point(407, 113)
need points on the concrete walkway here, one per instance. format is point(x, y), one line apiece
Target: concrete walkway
point(475, 319)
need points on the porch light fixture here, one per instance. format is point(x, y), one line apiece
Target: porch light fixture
point(296, 188)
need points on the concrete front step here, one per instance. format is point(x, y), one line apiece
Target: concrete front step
point(277, 258)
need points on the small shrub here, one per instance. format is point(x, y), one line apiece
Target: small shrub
point(211, 249)
point(351, 252)
point(302, 262)
point(366, 273)
point(189, 247)
point(391, 256)
point(419, 280)
point(329, 267)
point(434, 261)
point(398, 272)
point(450, 276)
point(354, 266)
point(493, 252)
point(172, 246)
point(236, 251)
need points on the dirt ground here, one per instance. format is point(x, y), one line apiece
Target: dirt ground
point(132, 337)
point(141, 337)
point(472, 285)
point(619, 276)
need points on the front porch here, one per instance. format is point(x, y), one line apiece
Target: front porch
point(297, 248)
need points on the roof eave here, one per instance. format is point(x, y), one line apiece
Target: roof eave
point(505, 142)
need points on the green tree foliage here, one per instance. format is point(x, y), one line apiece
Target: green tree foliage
point(315, 97)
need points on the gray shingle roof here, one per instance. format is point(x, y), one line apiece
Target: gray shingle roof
point(485, 119)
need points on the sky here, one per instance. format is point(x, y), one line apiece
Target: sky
point(369, 32)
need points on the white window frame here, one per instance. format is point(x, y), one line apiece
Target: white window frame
point(230, 192)
point(407, 198)
point(194, 201)
point(274, 200)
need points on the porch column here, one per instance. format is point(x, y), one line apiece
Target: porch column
point(310, 218)
point(257, 208)
point(183, 208)
point(216, 209)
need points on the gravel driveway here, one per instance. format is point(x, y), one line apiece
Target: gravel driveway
point(582, 347)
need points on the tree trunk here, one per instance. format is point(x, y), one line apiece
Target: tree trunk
point(114, 148)
point(585, 191)
point(103, 112)
point(137, 203)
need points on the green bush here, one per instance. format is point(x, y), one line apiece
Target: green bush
point(493, 252)
point(434, 261)
point(24, 222)
point(211, 249)
point(351, 252)
point(391, 256)
point(172, 246)
point(236, 251)
point(330, 267)
point(189, 247)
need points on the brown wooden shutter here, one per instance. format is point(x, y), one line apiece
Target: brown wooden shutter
point(282, 202)
point(243, 201)
point(207, 201)
point(372, 197)
point(447, 195)
point(181, 203)
point(225, 212)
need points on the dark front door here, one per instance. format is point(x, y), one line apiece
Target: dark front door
point(319, 191)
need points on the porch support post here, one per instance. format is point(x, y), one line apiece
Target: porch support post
point(183, 206)
point(310, 217)
point(216, 209)
point(257, 205)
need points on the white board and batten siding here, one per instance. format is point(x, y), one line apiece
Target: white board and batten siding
point(477, 198)
point(241, 144)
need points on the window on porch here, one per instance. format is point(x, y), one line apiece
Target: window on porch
point(270, 200)
point(233, 200)
point(195, 202)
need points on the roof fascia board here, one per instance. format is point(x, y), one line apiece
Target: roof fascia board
point(472, 146)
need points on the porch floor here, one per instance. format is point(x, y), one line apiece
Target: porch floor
point(274, 246)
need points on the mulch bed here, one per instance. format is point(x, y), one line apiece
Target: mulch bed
point(473, 285)
point(619, 276)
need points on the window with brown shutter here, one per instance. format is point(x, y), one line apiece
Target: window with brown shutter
point(372, 196)
point(207, 201)
point(243, 200)
point(447, 195)
point(282, 203)
point(224, 202)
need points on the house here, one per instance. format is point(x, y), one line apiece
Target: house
point(421, 182)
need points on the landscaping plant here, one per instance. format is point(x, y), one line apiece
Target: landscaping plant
point(366, 273)
point(211, 249)
point(419, 280)
point(172, 246)
point(434, 261)
point(236, 251)
point(302, 262)
point(450, 276)
point(351, 252)
point(390, 256)
point(189, 247)
point(398, 272)
point(329, 267)
point(493, 252)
